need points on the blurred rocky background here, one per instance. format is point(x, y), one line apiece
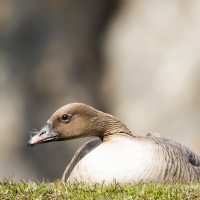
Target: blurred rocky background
point(138, 60)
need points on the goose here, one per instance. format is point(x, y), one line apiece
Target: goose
point(116, 154)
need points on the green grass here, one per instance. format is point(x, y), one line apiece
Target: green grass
point(57, 190)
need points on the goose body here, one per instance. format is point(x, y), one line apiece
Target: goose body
point(116, 154)
point(121, 159)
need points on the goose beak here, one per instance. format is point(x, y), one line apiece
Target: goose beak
point(43, 136)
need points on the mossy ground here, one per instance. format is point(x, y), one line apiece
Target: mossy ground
point(57, 190)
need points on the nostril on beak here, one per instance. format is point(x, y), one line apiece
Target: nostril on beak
point(43, 132)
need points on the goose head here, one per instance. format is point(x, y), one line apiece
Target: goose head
point(77, 120)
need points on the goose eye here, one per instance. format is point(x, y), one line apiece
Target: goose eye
point(65, 117)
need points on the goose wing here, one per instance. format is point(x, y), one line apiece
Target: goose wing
point(178, 154)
